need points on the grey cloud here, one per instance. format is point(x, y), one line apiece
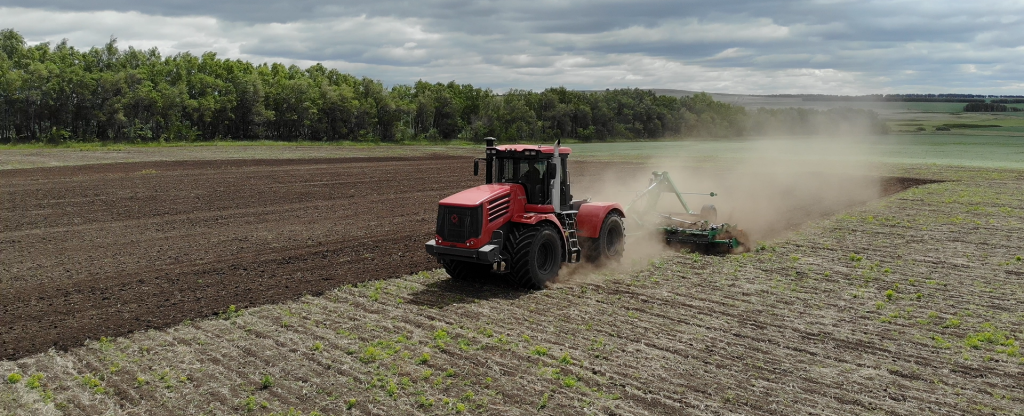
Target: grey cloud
point(766, 46)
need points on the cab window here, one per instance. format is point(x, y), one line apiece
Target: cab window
point(524, 171)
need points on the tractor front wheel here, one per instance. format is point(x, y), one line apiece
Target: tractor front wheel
point(462, 270)
point(536, 255)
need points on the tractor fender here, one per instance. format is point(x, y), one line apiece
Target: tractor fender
point(535, 218)
point(591, 217)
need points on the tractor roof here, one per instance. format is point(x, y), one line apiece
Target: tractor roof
point(524, 147)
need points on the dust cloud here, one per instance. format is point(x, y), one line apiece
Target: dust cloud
point(768, 189)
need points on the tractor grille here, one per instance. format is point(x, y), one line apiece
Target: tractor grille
point(458, 224)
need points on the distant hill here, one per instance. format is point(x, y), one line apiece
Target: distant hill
point(755, 99)
point(746, 100)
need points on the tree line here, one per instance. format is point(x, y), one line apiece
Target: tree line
point(57, 93)
point(989, 108)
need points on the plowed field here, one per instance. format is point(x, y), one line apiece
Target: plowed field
point(907, 305)
point(114, 248)
point(105, 250)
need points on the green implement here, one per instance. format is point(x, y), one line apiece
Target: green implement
point(694, 230)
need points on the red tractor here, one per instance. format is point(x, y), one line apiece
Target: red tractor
point(523, 223)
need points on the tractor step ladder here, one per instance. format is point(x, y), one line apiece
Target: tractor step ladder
point(575, 253)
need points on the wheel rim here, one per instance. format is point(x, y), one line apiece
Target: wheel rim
point(613, 243)
point(545, 257)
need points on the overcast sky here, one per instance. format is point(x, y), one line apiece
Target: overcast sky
point(728, 46)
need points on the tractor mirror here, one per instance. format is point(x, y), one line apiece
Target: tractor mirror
point(476, 167)
point(552, 170)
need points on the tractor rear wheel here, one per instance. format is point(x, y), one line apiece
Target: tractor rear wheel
point(610, 244)
point(536, 255)
point(463, 270)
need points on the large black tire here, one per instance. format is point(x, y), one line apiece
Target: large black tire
point(462, 270)
point(536, 255)
point(610, 244)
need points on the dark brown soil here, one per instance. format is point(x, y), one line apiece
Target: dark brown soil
point(105, 250)
point(894, 184)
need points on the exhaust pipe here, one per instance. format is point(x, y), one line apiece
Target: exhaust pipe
point(556, 191)
point(490, 152)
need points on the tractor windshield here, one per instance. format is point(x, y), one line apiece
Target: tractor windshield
point(521, 170)
point(531, 173)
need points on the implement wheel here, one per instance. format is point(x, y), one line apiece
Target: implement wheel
point(610, 244)
point(536, 255)
point(463, 270)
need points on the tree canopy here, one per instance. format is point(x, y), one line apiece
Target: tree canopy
point(56, 93)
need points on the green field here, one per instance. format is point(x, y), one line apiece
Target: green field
point(964, 145)
point(1001, 147)
point(957, 149)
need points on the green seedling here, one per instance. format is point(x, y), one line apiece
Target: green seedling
point(441, 337)
point(371, 354)
point(34, 381)
point(543, 401)
point(230, 313)
point(569, 381)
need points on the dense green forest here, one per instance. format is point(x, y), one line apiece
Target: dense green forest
point(56, 94)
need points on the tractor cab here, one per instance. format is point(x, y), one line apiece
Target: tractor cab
point(535, 168)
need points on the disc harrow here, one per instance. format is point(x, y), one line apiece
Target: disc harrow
point(696, 231)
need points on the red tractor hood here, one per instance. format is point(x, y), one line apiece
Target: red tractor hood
point(473, 197)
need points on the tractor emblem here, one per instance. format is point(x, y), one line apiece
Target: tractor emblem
point(455, 219)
